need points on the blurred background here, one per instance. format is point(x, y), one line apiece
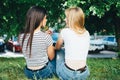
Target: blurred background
point(102, 19)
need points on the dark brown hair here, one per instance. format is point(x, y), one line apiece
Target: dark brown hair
point(34, 17)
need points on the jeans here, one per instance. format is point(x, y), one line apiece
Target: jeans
point(66, 74)
point(48, 72)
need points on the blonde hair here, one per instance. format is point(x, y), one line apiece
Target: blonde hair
point(75, 19)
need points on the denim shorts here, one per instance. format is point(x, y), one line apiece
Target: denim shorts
point(47, 72)
point(66, 74)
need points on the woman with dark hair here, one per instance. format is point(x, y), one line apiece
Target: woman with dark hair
point(37, 45)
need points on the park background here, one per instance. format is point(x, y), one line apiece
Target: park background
point(102, 17)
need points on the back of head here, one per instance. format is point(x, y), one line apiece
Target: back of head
point(34, 17)
point(75, 18)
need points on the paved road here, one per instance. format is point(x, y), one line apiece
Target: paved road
point(102, 54)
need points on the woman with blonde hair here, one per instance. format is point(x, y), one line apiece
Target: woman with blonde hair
point(71, 64)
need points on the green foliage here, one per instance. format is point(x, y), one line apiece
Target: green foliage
point(95, 7)
point(100, 14)
point(118, 8)
point(13, 13)
point(11, 17)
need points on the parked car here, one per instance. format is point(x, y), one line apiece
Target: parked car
point(13, 45)
point(2, 45)
point(110, 43)
point(96, 45)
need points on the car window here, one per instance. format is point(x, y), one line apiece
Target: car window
point(1, 43)
point(111, 39)
point(15, 39)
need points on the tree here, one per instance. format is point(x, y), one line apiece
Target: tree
point(100, 14)
point(13, 13)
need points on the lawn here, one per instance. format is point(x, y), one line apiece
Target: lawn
point(101, 69)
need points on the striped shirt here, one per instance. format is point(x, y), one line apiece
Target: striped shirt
point(40, 43)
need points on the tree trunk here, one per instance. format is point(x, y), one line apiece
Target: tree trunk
point(117, 31)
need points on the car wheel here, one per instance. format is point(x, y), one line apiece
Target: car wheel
point(106, 47)
point(13, 49)
point(97, 51)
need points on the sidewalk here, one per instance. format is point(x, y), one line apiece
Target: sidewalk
point(9, 54)
point(102, 54)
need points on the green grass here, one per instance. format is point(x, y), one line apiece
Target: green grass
point(100, 69)
point(104, 69)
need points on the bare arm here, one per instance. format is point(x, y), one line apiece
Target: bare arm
point(51, 52)
point(59, 43)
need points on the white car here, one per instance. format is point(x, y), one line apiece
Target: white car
point(2, 45)
point(96, 45)
point(110, 42)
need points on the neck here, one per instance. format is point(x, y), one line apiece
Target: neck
point(38, 29)
point(79, 30)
